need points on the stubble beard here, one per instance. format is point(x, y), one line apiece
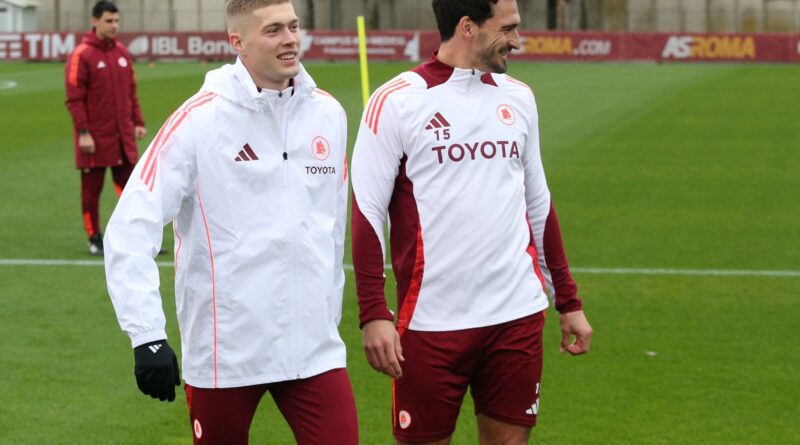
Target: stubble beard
point(492, 58)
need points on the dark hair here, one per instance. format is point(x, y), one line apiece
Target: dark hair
point(449, 12)
point(103, 6)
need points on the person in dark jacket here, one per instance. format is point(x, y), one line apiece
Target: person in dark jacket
point(107, 120)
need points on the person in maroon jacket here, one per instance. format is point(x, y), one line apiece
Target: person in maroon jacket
point(107, 120)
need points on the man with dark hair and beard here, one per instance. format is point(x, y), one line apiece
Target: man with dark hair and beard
point(450, 150)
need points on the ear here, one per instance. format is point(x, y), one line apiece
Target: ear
point(236, 41)
point(94, 21)
point(466, 27)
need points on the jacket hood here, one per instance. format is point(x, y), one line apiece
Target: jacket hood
point(233, 83)
point(90, 38)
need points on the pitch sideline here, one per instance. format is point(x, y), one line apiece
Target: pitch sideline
point(7, 84)
point(584, 270)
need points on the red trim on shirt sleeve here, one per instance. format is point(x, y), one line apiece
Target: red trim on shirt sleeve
point(381, 101)
point(368, 266)
point(522, 84)
point(408, 253)
point(323, 92)
point(535, 256)
point(414, 285)
point(344, 175)
point(556, 260)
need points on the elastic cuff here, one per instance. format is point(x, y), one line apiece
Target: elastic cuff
point(569, 306)
point(387, 316)
point(147, 337)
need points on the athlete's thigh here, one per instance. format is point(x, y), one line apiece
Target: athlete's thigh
point(320, 409)
point(436, 373)
point(506, 384)
point(223, 415)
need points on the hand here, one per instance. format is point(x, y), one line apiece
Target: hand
point(156, 370)
point(139, 132)
point(575, 323)
point(382, 347)
point(86, 143)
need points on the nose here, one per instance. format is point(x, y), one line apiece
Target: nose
point(514, 39)
point(290, 38)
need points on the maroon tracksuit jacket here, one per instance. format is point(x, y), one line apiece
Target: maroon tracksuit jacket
point(101, 97)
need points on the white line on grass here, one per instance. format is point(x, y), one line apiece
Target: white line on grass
point(698, 272)
point(586, 270)
point(7, 84)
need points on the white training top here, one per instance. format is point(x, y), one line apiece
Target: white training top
point(255, 183)
point(453, 156)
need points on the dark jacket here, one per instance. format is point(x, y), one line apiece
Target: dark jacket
point(101, 97)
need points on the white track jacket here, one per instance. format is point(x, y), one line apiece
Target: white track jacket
point(255, 184)
point(453, 156)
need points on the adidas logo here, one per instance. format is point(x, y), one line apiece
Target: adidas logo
point(534, 409)
point(438, 121)
point(101, 64)
point(154, 348)
point(247, 154)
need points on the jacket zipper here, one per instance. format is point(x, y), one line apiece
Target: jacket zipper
point(280, 113)
point(285, 113)
point(285, 162)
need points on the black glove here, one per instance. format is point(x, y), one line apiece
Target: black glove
point(156, 370)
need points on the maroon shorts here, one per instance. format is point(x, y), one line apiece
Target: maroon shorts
point(501, 364)
point(319, 410)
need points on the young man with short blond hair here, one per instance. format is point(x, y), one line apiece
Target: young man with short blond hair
point(251, 173)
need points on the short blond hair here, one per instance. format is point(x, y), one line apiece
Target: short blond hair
point(234, 8)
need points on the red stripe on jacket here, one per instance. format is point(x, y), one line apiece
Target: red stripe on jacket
point(159, 139)
point(213, 283)
point(150, 176)
point(74, 64)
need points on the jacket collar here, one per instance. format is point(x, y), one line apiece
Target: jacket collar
point(90, 38)
point(301, 83)
point(234, 83)
point(435, 72)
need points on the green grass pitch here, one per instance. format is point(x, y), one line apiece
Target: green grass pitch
point(676, 166)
